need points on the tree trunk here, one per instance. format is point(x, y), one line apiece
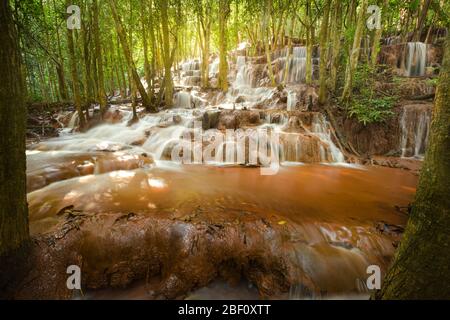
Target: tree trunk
point(99, 56)
point(421, 20)
point(266, 39)
point(60, 67)
point(309, 42)
point(336, 46)
point(421, 268)
point(323, 53)
point(127, 53)
point(376, 39)
point(168, 94)
point(13, 202)
point(224, 11)
point(147, 70)
point(87, 67)
point(75, 81)
point(354, 56)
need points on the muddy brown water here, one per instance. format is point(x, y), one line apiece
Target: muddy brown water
point(330, 211)
point(309, 192)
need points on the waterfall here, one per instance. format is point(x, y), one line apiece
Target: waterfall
point(416, 55)
point(183, 100)
point(415, 126)
point(191, 74)
point(73, 120)
point(214, 67)
point(296, 66)
point(190, 65)
point(291, 100)
point(243, 77)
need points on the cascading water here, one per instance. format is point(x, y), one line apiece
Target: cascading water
point(291, 100)
point(191, 73)
point(416, 57)
point(183, 100)
point(415, 126)
point(308, 140)
point(296, 72)
point(214, 67)
point(243, 92)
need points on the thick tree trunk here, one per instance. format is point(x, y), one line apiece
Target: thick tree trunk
point(13, 202)
point(354, 55)
point(421, 268)
point(323, 38)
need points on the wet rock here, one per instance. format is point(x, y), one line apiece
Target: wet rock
point(210, 119)
point(294, 125)
point(177, 119)
point(240, 99)
point(228, 121)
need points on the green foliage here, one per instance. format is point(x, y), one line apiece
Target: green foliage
point(368, 110)
point(366, 105)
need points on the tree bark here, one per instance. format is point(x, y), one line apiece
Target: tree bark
point(336, 44)
point(354, 55)
point(147, 70)
point(13, 202)
point(75, 80)
point(60, 67)
point(309, 42)
point(323, 38)
point(376, 39)
point(421, 20)
point(99, 57)
point(421, 268)
point(168, 93)
point(127, 53)
point(224, 11)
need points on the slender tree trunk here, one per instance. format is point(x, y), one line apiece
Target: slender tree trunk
point(168, 97)
point(324, 53)
point(13, 202)
point(376, 38)
point(123, 90)
point(87, 68)
point(154, 51)
point(266, 39)
point(354, 56)
point(75, 80)
point(204, 34)
point(336, 44)
point(99, 56)
point(127, 53)
point(147, 70)
point(60, 67)
point(224, 11)
point(421, 268)
point(309, 42)
point(421, 20)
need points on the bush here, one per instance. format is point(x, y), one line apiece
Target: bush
point(366, 105)
point(368, 110)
